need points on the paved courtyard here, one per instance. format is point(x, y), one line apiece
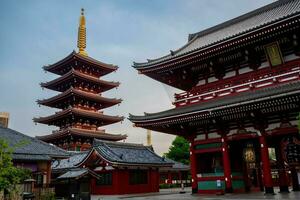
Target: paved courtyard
point(174, 195)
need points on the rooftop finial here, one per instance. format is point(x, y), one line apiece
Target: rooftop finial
point(81, 43)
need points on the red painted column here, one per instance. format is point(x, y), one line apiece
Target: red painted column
point(193, 161)
point(226, 166)
point(266, 169)
point(48, 172)
point(169, 177)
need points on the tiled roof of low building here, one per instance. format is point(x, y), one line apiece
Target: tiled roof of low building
point(119, 153)
point(116, 153)
point(70, 162)
point(77, 174)
point(29, 148)
point(177, 166)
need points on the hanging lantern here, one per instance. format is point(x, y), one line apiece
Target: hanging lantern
point(291, 150)
point(249, 153)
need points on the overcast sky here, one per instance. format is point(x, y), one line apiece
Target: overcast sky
point(36, 33)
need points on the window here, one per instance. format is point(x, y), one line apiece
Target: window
point(77, 148)
point(105, 179)
point(138, 177)
point(39, 179)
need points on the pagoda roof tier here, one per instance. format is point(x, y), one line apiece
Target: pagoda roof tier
point(239, 26)
point(73, 94)
point(73, 77)
point(78, 113)
point(90, 134)
point(224, 106)
point(75, 60)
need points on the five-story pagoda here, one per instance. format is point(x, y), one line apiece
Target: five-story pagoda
point(80, 99)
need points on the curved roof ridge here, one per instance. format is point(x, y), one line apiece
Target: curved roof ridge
point(78, 92)
point(238, 19)
point(86, 58)
point(86, 133)
point(172, 53)
point(80, 74)
point(123, 144)
point(79, 112)
point(254, 20)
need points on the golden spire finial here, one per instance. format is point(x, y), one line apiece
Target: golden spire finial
point(81, 43)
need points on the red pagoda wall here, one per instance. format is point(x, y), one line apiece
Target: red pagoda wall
point(120, 184)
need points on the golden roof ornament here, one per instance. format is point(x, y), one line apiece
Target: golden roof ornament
point(81, 43)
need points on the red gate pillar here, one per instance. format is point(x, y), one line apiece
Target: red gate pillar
point(193, 167)
point(226, 166)
point(169, 178)
point(266, 169)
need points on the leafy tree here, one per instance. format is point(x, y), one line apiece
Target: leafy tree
point(9, 174)
point(179, 150)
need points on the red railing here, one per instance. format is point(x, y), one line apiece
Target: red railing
point(243, 82)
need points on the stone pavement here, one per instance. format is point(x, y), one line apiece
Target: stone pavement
point(173, 194)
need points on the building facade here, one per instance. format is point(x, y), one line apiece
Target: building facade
point(241, 100)
point(122, 168)
point(80, 99)
point(4, 119)
point(32, 154)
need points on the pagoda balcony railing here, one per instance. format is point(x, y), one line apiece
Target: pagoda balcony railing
point(244, 82)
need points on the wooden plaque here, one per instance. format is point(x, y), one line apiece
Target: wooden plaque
point(273, 54)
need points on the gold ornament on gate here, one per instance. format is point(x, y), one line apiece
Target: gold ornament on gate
point(249, 153)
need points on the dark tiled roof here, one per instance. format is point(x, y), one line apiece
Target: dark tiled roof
point(77, 174)
point(73, 173)
point(262, 17)
point(177, 166)
point(117, 153)
point(31, 157)
point(70, 162)
point(28, 148)
point(243, 97)
point(129, 154)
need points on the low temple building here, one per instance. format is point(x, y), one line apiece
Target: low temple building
point(241, 98)
point(109, 168)
point(32, 154)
